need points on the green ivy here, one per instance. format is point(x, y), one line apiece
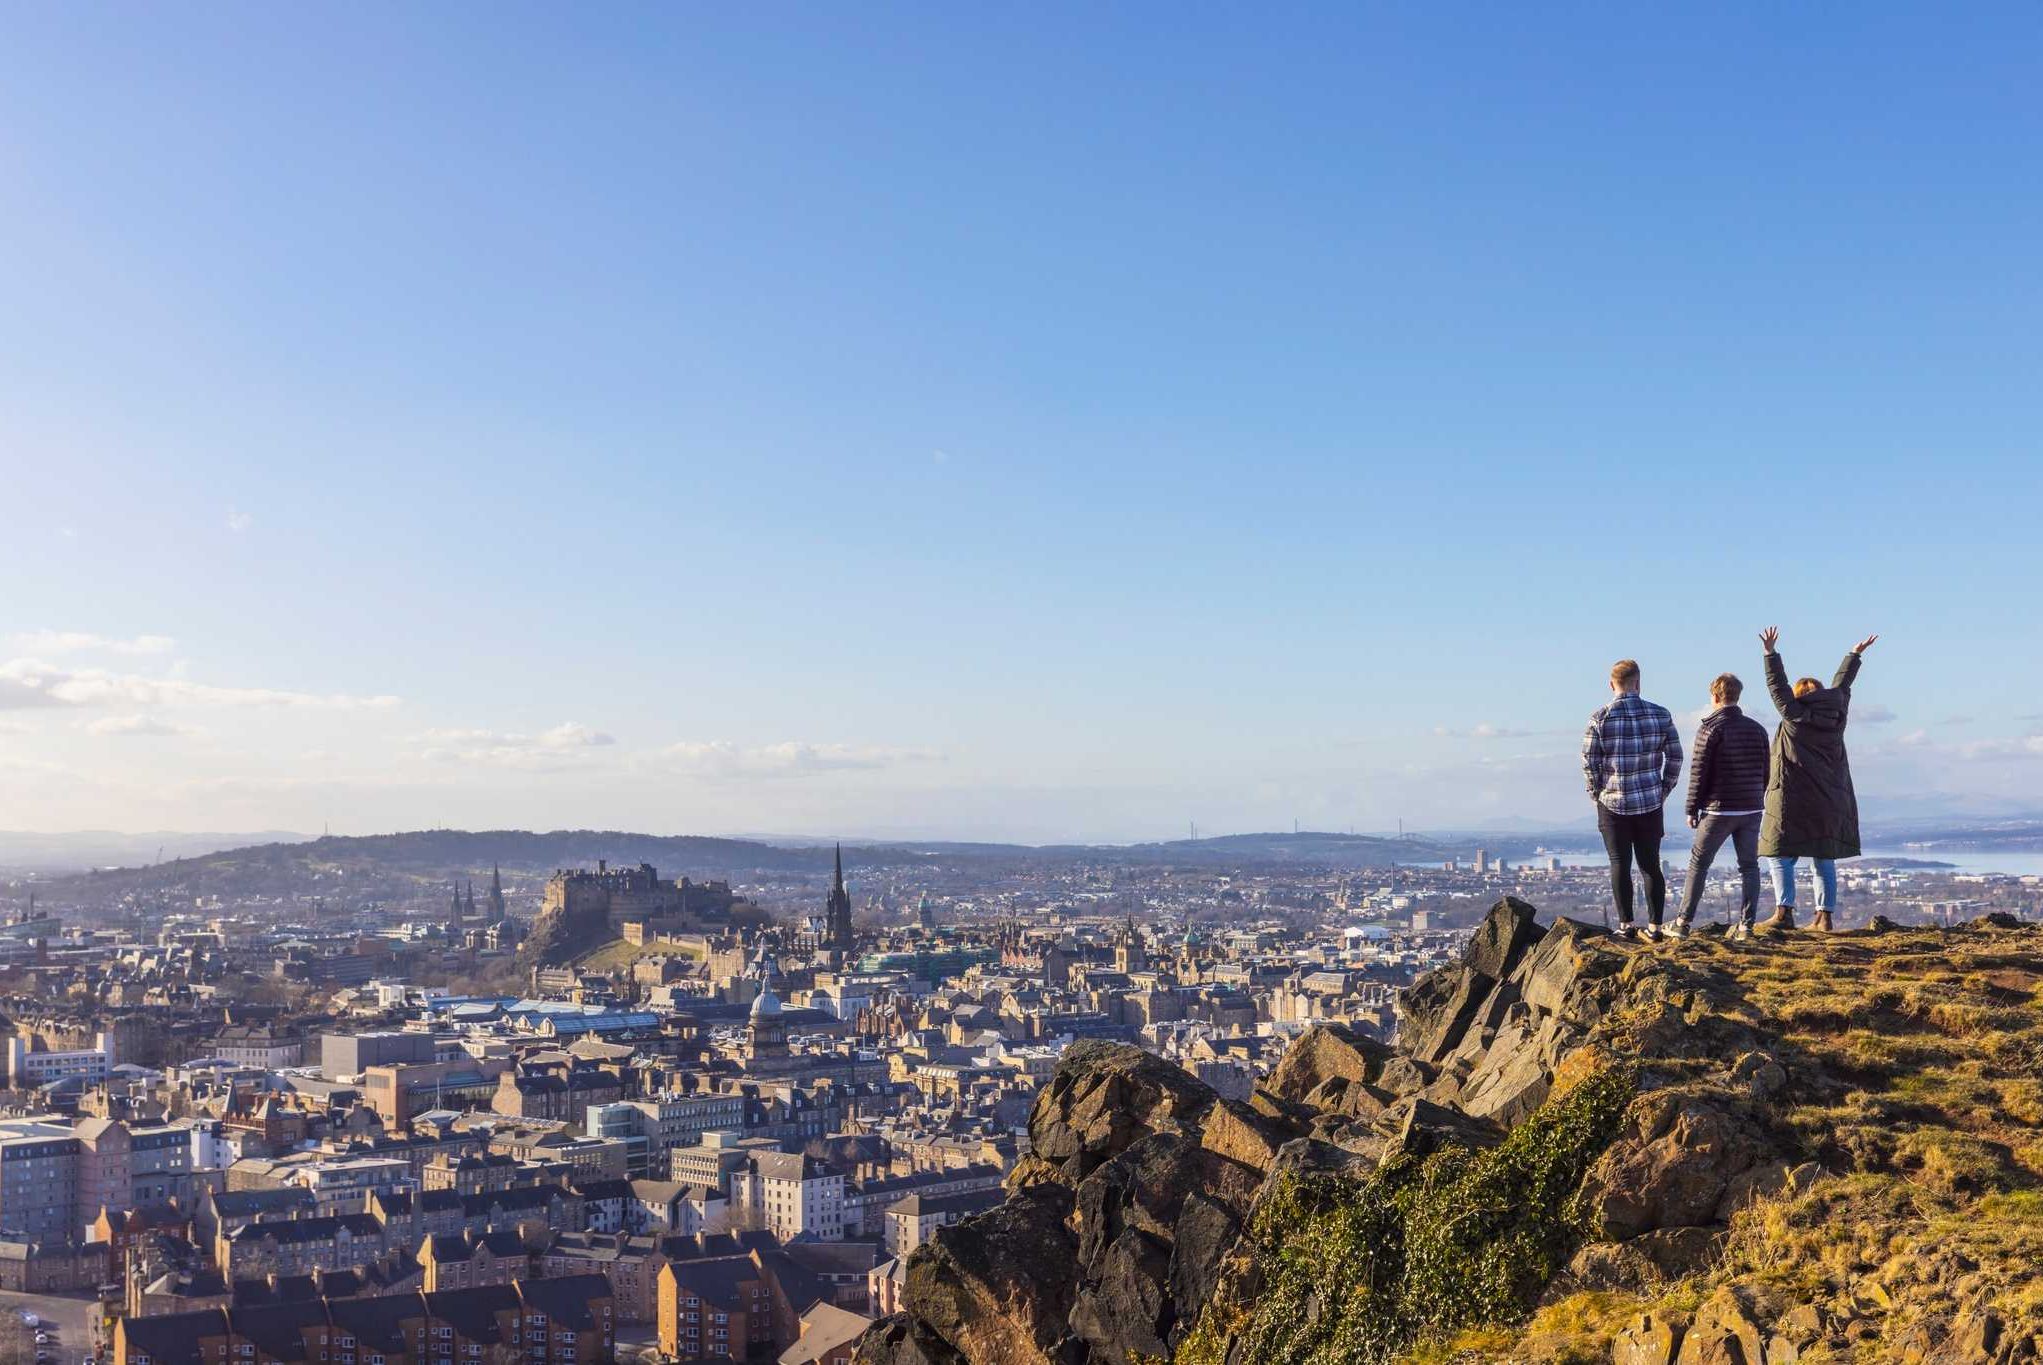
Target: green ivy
point(1355, 1272)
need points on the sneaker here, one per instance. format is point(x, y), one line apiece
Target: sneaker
point(1739, 932)
point(1676, 931)
point(1652, 933)
point(1625, 931)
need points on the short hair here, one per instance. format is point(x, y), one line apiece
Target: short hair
point(1625, 672)
point(1804, 686)
point(1726, 688)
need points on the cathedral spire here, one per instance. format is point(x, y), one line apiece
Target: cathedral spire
point(837, 912)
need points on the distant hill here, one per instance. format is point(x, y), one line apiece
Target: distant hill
point(397, 867)
point(76, 850)
point(400, 866)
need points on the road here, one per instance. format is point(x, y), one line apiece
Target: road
point(63, 1317)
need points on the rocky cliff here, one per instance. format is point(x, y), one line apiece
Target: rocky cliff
point(1707, 1153)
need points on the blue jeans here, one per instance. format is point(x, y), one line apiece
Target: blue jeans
point(1784, 881)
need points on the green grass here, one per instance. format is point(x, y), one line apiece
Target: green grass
point(1364, 1271)
point(617, 953)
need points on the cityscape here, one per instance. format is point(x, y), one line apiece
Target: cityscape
point(910, 684)
point(604, 1111)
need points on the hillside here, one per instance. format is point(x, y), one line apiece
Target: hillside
point(1828, 1148)
point(398, 866)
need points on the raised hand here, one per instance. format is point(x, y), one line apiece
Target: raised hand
point(1772, 635)
point(1864, 645)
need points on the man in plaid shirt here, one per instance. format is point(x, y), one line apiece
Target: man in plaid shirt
point(1632, 760)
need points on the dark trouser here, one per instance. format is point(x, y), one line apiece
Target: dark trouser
point(1626, 837)
point(1743, 832)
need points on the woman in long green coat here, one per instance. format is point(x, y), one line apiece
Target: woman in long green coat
point(1811, 810)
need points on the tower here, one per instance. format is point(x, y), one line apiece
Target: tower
point(1129, 955)
point(837, 914)
point(496, 893)
point(765, 1030)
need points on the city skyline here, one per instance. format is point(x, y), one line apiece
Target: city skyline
point(975, 426)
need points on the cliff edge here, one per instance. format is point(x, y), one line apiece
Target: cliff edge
point(1819, 1148)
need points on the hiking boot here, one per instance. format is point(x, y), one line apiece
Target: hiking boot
point(1739, 932)
point(1821, 924)
point(1782, 920)
point(1676, 931)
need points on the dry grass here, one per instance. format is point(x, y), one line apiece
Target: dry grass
point(1916, 1061)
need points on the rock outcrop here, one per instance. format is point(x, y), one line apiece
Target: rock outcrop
point(1576, 1150)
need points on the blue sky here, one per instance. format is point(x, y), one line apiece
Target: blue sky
point(1055, 424)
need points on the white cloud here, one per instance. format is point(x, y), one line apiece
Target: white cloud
point(1873, 715)
point(1915, 739)
point(1482, 730)
point(16, 695)
point(572, 734)
point(35, 682)
point(49, 642)
point(136, 726)
point(239, 521)
point(2027, 746)
point(562, 746)
point(791, 758)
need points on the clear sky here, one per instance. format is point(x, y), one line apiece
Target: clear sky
point(1016, 421)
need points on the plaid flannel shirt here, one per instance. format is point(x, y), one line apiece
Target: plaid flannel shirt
point(1631, 756)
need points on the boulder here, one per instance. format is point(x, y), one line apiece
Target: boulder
point(1677, 1168)
point(903, 1340)
point(997, 1287)
point(1759, 1075)
point(1326, 1052)
point(1645, 1264)
point(1432, 1037)
point(1122, 1309)
point(1418, 1127)
point(1516, 1073)
point(1724, 1333)
point(1238, 1133)
point(1555, 976)
point(1104, 1098)
point(1649, 1339)
point(1502, 938)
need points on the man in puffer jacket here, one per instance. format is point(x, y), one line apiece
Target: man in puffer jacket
point(1726, 800)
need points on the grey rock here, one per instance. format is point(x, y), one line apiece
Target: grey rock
point(1511, 927)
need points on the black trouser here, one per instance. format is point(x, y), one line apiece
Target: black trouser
point(1626, 837)
point(1743, 832)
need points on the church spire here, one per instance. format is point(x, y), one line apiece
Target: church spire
point(837, 913)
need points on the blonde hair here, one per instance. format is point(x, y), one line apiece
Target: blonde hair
point(1804, 686)
point(1726, 688)
point(1625, 672)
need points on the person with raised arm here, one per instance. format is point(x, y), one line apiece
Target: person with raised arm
point(1811, 810)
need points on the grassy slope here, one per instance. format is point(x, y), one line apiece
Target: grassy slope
point(617, 953)
point(1927, 1104)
